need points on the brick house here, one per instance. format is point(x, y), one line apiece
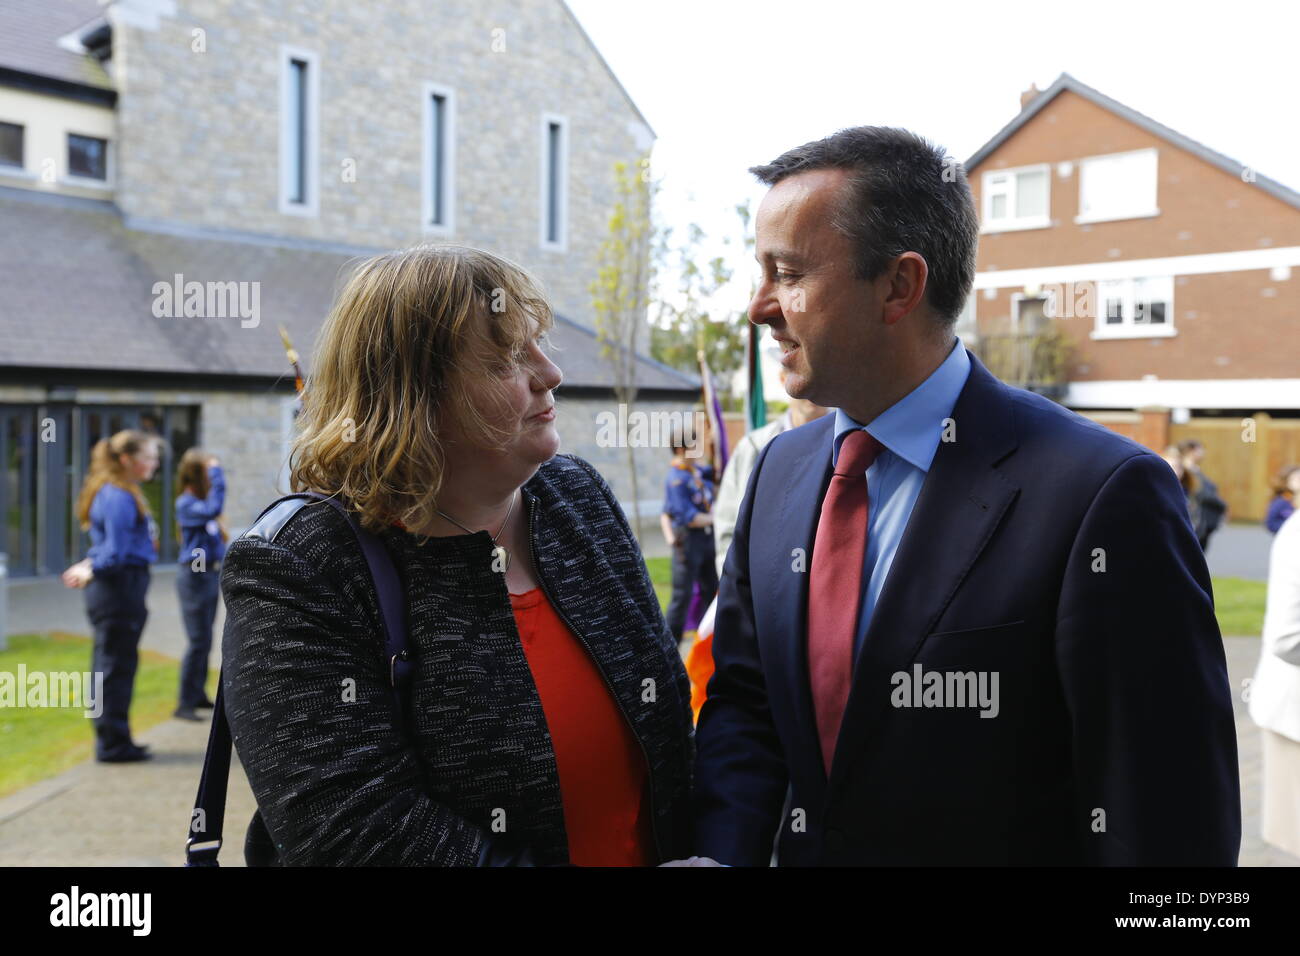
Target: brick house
point(1127, 269)
point(255, 143)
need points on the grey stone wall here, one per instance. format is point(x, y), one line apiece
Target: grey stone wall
point(579, 424)
point(199, 131)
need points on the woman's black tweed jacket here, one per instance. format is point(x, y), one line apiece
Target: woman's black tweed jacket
point(312, 714)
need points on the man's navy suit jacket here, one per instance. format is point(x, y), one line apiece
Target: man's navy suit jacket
point(1043, 547)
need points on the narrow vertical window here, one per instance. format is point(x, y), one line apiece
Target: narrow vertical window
point(299, 112)
point(439, 160)
point(298, 126)
point(554, 183)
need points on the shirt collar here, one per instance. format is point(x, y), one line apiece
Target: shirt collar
point(912, 426)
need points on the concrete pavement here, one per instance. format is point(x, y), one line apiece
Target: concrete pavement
point(40, 605)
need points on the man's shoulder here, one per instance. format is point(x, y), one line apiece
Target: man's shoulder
point(1044, 428)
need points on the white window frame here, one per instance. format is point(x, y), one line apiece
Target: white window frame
point(1013, 222)
point(1147, 213)
point(87, 182)
point(1130, 328)
point(311, 146)
point(448, 226)
point(562, 181)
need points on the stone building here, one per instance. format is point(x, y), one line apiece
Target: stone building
point(256, 147)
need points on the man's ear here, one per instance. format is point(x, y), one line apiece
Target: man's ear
point(907, 276)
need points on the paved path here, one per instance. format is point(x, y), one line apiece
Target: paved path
point(1239, 551)
point(40, 605)
point(118, 814)
point(122, 814)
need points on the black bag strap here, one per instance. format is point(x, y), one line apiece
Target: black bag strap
point(203, 841)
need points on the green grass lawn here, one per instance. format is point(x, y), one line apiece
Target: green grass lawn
point(1238, 603)
point(661, 576)
point(39, 742)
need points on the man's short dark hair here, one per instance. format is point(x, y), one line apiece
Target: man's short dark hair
point(904, 195)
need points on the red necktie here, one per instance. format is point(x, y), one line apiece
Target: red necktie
point(835, 589)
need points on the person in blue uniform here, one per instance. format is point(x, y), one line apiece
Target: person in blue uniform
point(115, 576)
point(688, 525)
point(202, 495)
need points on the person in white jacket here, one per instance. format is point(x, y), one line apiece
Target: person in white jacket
point(1275, 692)
point(735, 478)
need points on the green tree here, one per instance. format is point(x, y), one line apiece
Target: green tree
point(620, 291)
point(685, 325)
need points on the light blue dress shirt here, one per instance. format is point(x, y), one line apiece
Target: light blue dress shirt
point(910, 431)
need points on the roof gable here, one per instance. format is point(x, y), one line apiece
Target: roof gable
point(30, 31)
point(1066, 82)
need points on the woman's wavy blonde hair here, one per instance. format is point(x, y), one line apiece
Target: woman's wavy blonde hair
point(399, 352)
point(106, 469)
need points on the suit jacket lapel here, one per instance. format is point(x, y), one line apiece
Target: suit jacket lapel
point(962, 502)
point(806, 483)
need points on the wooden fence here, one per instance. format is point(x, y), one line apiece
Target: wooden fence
point(1244, 468)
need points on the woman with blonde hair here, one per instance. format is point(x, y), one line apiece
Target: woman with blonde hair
point(115, 575)
point(200, 497)
point(549, 716)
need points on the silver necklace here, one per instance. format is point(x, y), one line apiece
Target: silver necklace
point(499, 553)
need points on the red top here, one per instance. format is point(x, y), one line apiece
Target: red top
point(604, 784)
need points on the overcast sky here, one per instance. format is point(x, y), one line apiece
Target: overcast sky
point(726, 84)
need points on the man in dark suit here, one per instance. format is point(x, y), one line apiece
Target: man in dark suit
point(958, 624)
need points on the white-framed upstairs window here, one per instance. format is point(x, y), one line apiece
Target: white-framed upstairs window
point(554, 182)
point(1137, 308)
point(1018, 198)
point(438, 160)
point(1118, 186)
point(299, 131)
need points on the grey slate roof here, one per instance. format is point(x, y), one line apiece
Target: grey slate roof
point(76, 292)
point(29, 33)
point(1066, 82)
